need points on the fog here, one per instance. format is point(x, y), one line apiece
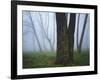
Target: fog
point(44, 24)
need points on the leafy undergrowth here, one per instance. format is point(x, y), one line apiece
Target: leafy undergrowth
point(47, 59)
point(81, 59)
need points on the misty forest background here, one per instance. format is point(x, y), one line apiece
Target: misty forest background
point(54, 39)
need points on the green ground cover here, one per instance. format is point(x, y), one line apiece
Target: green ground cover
point(47, 59)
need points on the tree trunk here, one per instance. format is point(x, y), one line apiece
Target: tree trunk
point(77, 31)
point(82, 35)
point(65, 38)
point(62, 40)
point(35, 33)
point(45, 34)
point(71, 30)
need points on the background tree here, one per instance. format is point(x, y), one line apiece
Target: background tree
point(46, 33)
point(82, 34)
point(77, 30)
point(39, 27)
point(34, 31)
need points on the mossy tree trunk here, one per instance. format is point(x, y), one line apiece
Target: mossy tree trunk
point(65, 38)
point(62, 40)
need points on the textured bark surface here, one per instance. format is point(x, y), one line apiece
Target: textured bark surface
point(71, 30)
point(62, 41)
point(65, 38)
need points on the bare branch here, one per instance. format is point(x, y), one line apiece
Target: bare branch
point(35, 33)
point(45, 32)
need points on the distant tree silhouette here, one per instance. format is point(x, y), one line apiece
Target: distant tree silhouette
point(46, 32)
point(77, 30)
point(82, 34)
point(35, 33)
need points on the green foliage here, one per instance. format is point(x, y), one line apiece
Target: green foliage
point(47, 59)
point(81, 59)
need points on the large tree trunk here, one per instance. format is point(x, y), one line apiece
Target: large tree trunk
point(71, 30)
point(65, 38)
point(62, 40)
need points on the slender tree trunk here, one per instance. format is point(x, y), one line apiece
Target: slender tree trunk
point(82, 35)
point(62, 40)
point(35, 33)
point(48, 39)
point(77, 30)
point(71, 30)
point(54, 32)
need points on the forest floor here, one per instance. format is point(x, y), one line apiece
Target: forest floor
point(47, 59)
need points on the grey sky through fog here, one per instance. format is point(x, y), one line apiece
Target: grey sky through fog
point(49, 24)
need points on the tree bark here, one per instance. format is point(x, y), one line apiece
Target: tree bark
point(71, 30)
point(62, 40)
point(65, 38)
